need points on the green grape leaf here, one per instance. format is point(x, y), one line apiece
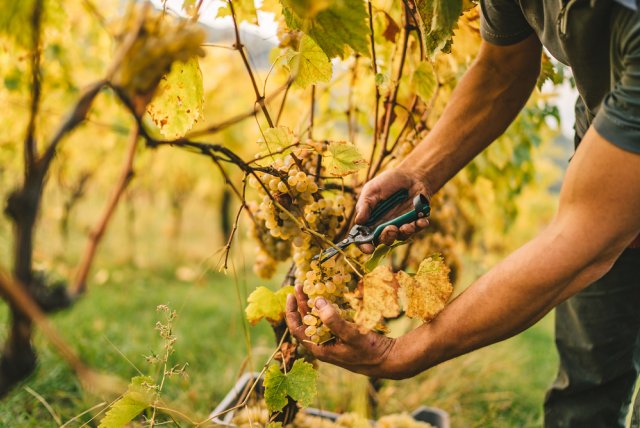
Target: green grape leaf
point(177, 103)
point(343, 159)
point(309, 64)
point(334, 28)
point(264, 303)
point(278, 138)
point(438, 19)
point(275, 143)
point(379, 255)
point(549, 72)
point(138, 397)
point(299, 384)
point(424, 81)
point(16, 19)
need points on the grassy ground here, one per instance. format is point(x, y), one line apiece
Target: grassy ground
point(500, 386)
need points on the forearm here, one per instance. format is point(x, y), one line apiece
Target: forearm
point(597, 219)
point(508, 299)
point(484, 103)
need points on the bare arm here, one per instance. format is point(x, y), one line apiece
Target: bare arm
point(599, 215)
point(484, 103)
point(482, 106)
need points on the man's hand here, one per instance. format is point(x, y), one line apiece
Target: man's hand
point(370, 354)
point(380, 188)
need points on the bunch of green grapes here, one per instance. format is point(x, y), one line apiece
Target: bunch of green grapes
point(160, 39)
point(251, 416)
point(276, 229)
point(401, 420)
point(329, 280)
point(271, 249)
point(257, 416)
point(291, 188)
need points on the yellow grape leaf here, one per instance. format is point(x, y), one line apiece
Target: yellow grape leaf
point(245, 10)
point(309, 64)
point(424, 81)
point(425, 294)
point(379, 298)
point(264, 303)
point(177, 103)
point(392, 29)
point(138, 397)
point(298, 383)
point(343, 159)
point(189, 7)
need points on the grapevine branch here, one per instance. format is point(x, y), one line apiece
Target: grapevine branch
point(240, 48)
point(16, 293)
point(390, 102)
point(374, 67)
point(30, 147)
point(77, 191)
point(80, 284)
point(352, 121)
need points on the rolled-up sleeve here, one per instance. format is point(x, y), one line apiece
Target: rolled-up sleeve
point(502, 22)
point(618, 119)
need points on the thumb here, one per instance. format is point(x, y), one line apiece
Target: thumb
point(367, 200)
point(330, 317)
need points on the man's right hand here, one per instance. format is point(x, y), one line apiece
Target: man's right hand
point(380, 188)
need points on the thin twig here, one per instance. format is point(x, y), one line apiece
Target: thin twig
point(240, 48)
point(284, 100)
point(90, 409)
point(77, 116)
point(374, 67)
point(80, 283)
point(240, 117)
point(390, 102)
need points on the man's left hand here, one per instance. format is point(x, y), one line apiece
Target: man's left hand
point(370, 354)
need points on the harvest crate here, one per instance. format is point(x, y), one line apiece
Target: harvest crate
point(436, 417)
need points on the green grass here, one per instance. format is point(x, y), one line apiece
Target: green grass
point(500, 386)
point(117, 319)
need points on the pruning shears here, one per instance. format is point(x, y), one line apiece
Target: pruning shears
point(365, 233)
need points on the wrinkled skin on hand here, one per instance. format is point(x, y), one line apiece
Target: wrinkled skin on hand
point(380, 188)
point(369, 354)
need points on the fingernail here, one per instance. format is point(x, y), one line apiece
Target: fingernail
point(321, 303)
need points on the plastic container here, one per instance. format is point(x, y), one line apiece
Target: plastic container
point(436, 417)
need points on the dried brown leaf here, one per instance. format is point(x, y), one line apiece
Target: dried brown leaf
point(379, 298)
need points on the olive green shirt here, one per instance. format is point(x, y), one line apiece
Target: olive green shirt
point(598, 39)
